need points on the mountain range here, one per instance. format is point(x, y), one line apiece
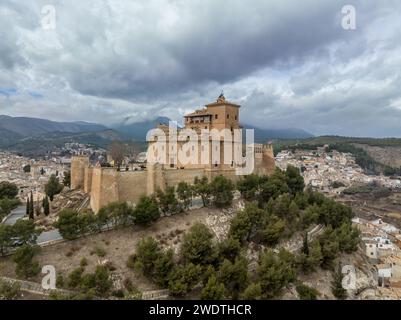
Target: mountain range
point(138, 130)
point(22, 133)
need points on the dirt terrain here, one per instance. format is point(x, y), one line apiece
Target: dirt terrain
point(367, 207)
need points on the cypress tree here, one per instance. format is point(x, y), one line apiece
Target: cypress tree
point(336, 284)
point(31, 210)
point(46, 206)
point(37, 208)
point(305, 246)
point(27, 206)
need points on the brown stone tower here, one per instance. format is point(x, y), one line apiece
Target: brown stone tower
point(78, 165)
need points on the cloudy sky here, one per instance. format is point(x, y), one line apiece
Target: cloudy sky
point(288, 63)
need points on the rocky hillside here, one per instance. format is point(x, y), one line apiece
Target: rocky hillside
point(387, 155)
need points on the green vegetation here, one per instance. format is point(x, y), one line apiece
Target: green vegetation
point(91, 285)
point(307, 293)
point(372, 189)
point(276, 208)
point(197, 246)
point(30, 207)
point(53, 187)
point(146, 211)
point(185, 193)
point(276, 271)
point(213, 290)
point(336, 284)
point(9, 291)
point(337, 184)
point(252, 292)
point(23, 232)
point(202, 189)
point(8, 190)
point(67, 179)
point(46, 206)
point(7, 205)
point(8, 200)
point(168, 202)
point(72, 224)
point(222, 191)
point(25, 266)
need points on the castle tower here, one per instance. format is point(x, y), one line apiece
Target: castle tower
point(78, 165)
point(220, 115)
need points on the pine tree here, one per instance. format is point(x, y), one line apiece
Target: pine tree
point(336, 284)
point(213, 290)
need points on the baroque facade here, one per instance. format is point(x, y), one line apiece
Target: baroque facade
point(209, 144)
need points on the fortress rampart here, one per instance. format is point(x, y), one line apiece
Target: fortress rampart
point(106, 185)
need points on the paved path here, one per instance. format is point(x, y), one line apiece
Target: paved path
point(19, 213)
point(34, 287)
point(50, 235)
point(53, 235)
point(15, 215)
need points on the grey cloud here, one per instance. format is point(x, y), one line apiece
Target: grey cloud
point(290, 64)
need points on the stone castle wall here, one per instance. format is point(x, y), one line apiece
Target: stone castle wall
point(106, 185)
point(88, 173)
point(264, 162)
point(131, 185)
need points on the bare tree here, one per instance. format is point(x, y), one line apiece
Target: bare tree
point(117, 151)
point(133, 150)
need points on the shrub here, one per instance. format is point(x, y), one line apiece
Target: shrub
point(252, 292)
point(307, 293)
point(146, 254)
point(9, 291)
point(213, 290)
point(8, 190)
point(83, 262)
point(53, 187)
point(23, 257)
point(100, 252)
point(197, 246)
point(222, 191)
point(146, 211)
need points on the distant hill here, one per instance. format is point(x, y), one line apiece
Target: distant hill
point(33, 136)
point(28, 127)
point(139, 130)
point(42, 144)
point(262, 135)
